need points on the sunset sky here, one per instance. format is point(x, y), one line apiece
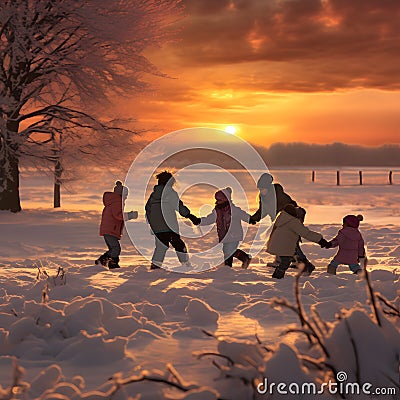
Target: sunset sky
point(315, 71)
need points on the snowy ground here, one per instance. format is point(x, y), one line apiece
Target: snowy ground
point(97, 323)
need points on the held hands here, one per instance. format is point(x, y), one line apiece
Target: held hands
point(195, 220)
point(324, 244)
point(252, 220)
point(132, 215)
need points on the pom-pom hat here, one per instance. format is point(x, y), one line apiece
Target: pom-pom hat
point(223, 194)
point(120, 189)
point(353, 220)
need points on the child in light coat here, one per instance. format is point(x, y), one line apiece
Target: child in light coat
point(228, 218)
point(351, 245)
point(285, 235)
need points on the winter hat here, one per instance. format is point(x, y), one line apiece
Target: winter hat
point(265, 181)
point(353, 221)
point(120, 189)
point(223, 194)
point(301, 213)
point(165, 177)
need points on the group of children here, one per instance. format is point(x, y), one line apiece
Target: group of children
point(288, 227)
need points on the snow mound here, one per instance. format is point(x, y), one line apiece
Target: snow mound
point(199, 313)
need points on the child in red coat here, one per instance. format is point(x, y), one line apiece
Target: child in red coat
point(351, 245)
point(112, 223)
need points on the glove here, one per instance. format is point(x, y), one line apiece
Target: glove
point(195, 220)
point(252, 221)
point(254, 218)
point(132, 215)
point(324, 244)
point(362, 260)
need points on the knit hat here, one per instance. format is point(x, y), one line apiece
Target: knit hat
point(223, 194)
point(353, 221)
point(301, 213)
point(120, 189)
point(265, 181)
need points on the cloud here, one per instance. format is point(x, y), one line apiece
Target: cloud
point(295, 45)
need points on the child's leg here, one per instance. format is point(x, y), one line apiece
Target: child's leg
point(243, 257)
point(179, 245)
point(280, 270)
point(301, 258)
point(299, 253)
point(162, 244)
point(355, 268)
point(114, 248)
point(103, 259)
point(229, 249)
point(332, 267)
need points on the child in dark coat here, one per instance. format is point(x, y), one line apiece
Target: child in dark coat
point(161, 209)
point(112, 223)
point(229, 219)
point(351, 245)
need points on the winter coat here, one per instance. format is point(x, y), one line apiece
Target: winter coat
point(351, 246)
point(235, 230)
point(161, 208)
point(285, 234)
point(112, 220)
point(274, 198)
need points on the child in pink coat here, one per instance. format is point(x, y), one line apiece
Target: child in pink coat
point(228, 218)
point(351, 245)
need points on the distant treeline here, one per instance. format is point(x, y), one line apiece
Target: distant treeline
point(335, 154)
point(295, 154)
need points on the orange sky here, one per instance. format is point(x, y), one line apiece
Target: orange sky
point(316, 71)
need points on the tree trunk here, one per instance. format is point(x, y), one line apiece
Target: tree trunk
point(9, 168)
point(57, 184)
point(9, 182)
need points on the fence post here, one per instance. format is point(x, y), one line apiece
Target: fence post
point(337, 178)
point(390, 177)
point(361, 178)
point(313, 176)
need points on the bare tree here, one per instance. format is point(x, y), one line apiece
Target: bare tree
point(59, 57)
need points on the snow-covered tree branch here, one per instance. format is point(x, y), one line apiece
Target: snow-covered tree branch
point(60, 58)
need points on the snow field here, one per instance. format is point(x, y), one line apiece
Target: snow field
point(139, 320)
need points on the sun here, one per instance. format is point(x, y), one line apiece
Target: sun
point(230, 129)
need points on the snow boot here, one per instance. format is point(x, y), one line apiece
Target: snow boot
point(331, 269)
point(279, 273)
point(103, 259)
point(113, 263)
point(229, 261)
point(186, 264)
point(243, 257)
point(308, 268)
point(294, 262)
